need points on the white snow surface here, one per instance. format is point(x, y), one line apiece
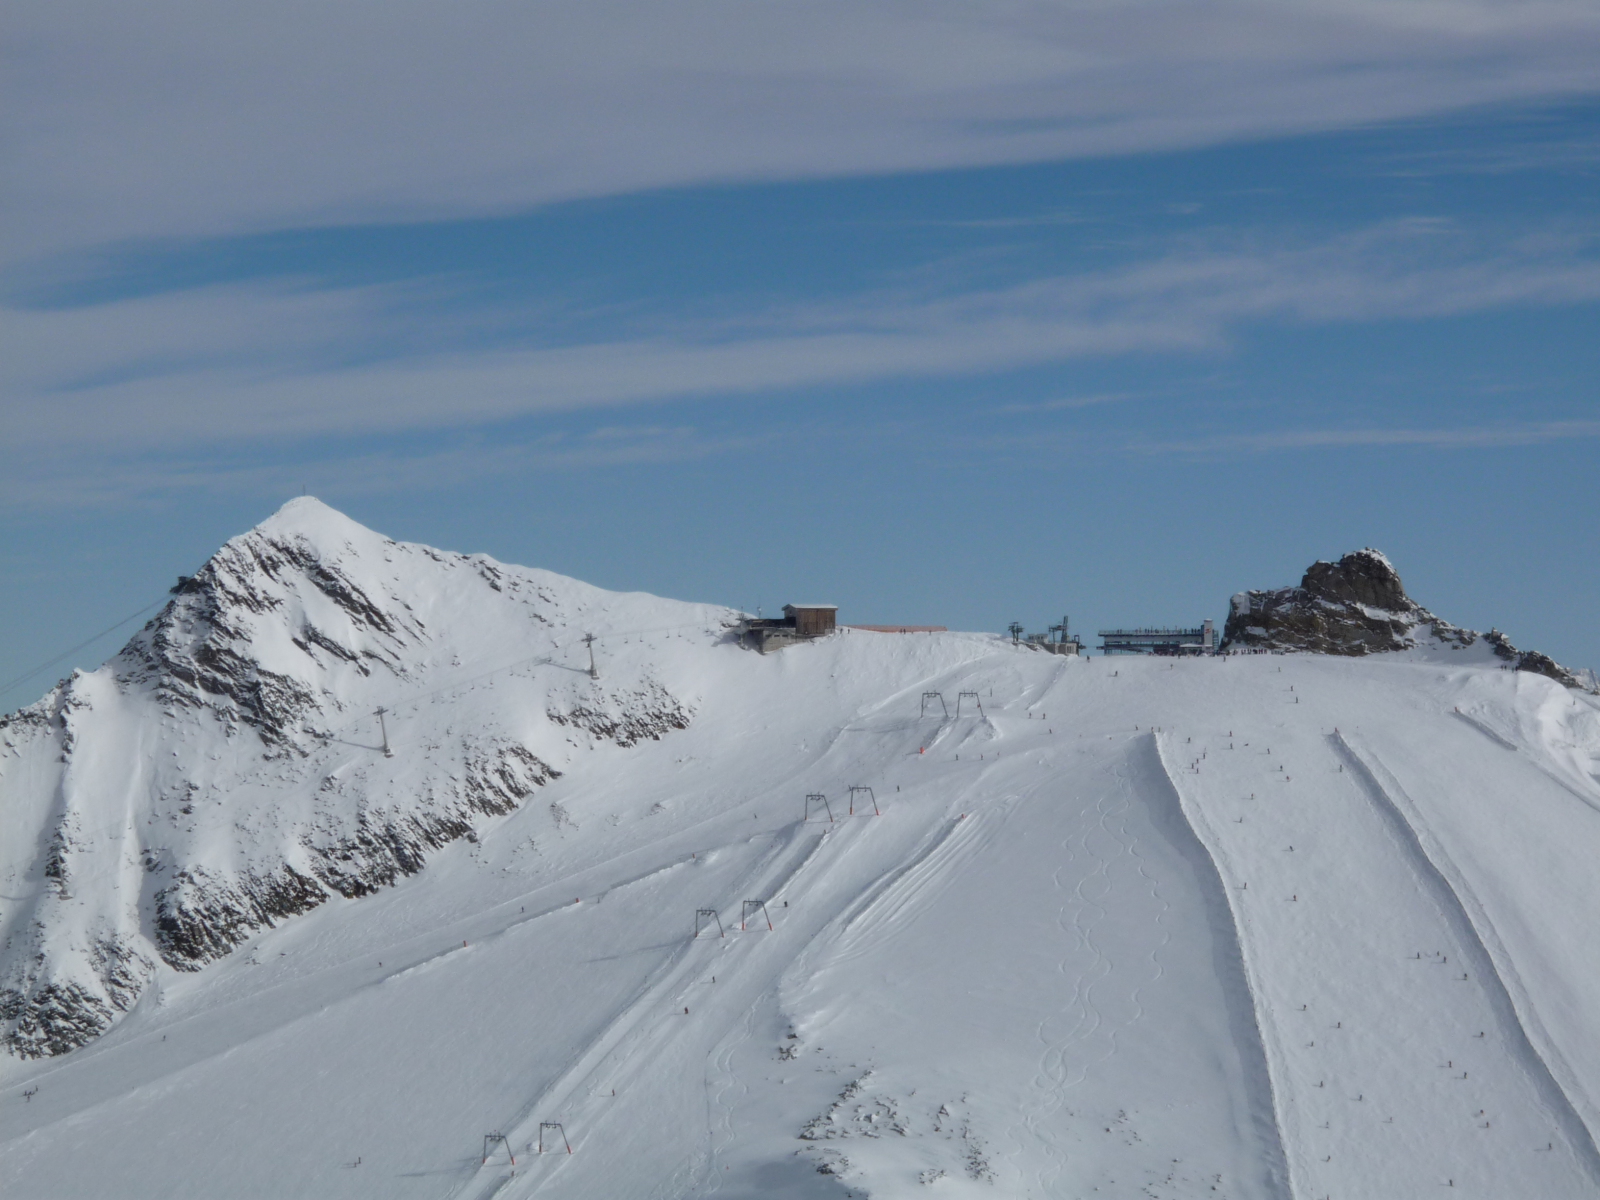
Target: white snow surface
point(1256, 926)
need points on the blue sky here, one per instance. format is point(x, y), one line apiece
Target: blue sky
point(942, 316)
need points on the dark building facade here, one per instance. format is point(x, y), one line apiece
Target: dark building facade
point(799, 623)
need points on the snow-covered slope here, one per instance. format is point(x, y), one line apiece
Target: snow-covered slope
point(1259, 926)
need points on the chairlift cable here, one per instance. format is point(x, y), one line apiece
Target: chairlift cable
point(27, 675)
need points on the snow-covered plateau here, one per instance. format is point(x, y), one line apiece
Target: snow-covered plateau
point(888, 915)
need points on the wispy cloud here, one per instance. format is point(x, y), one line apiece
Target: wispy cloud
point(179, 118)
point(1068, 403)
point(116, 481)
point(238, 364)
point(1028, 221)
point(1532, 152)
point(1464, 438)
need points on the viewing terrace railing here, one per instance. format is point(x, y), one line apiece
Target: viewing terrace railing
point(1146, 640)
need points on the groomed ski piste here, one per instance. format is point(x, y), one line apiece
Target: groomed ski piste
point(1248, 926)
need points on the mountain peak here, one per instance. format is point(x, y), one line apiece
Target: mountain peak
point(317, 522)
point(263, 680)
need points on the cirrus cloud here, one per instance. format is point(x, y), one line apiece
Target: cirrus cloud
point(178, 119)
point(223, 365)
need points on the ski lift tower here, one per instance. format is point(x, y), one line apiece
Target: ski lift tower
point(1064, 642)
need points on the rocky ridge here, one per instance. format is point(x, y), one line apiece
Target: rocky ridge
point(1357, 606)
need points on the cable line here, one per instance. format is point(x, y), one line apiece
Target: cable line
point(27, 675)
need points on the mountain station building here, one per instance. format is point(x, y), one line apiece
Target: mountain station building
point(799, 623)
point(1200, 640)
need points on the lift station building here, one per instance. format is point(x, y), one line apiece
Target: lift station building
point(799, 623)
point(1199, 640)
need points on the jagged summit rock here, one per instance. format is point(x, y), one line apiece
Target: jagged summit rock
point(1366, 578)
point(225, 770)
point(1355, 606)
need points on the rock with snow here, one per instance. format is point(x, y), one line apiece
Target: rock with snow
point(226, 769)
point(1359, 606)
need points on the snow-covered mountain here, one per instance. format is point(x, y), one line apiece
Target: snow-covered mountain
point(216, 776)
point(887, 915)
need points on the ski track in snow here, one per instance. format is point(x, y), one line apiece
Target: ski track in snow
point(862, 919)
point(639, 1027)
point(1233, 971)
point(1524, 1032)
point(1498, 738)
point(1082, 1032)
point(1340, 916)
point(417, 954)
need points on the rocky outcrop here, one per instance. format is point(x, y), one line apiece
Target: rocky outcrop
point(628, 718)
point(1358, 606)
point(1354, 606)
point(1531, 660)
point(200, 651)
point(201, 916)
point(54, 1017)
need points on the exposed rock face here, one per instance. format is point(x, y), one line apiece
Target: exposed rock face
point(627, 719)
point(200, 652)
point(1358, 606)
point(224, 772)
point(1365, 578)
point(1354, 606)
point(1530, 660)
